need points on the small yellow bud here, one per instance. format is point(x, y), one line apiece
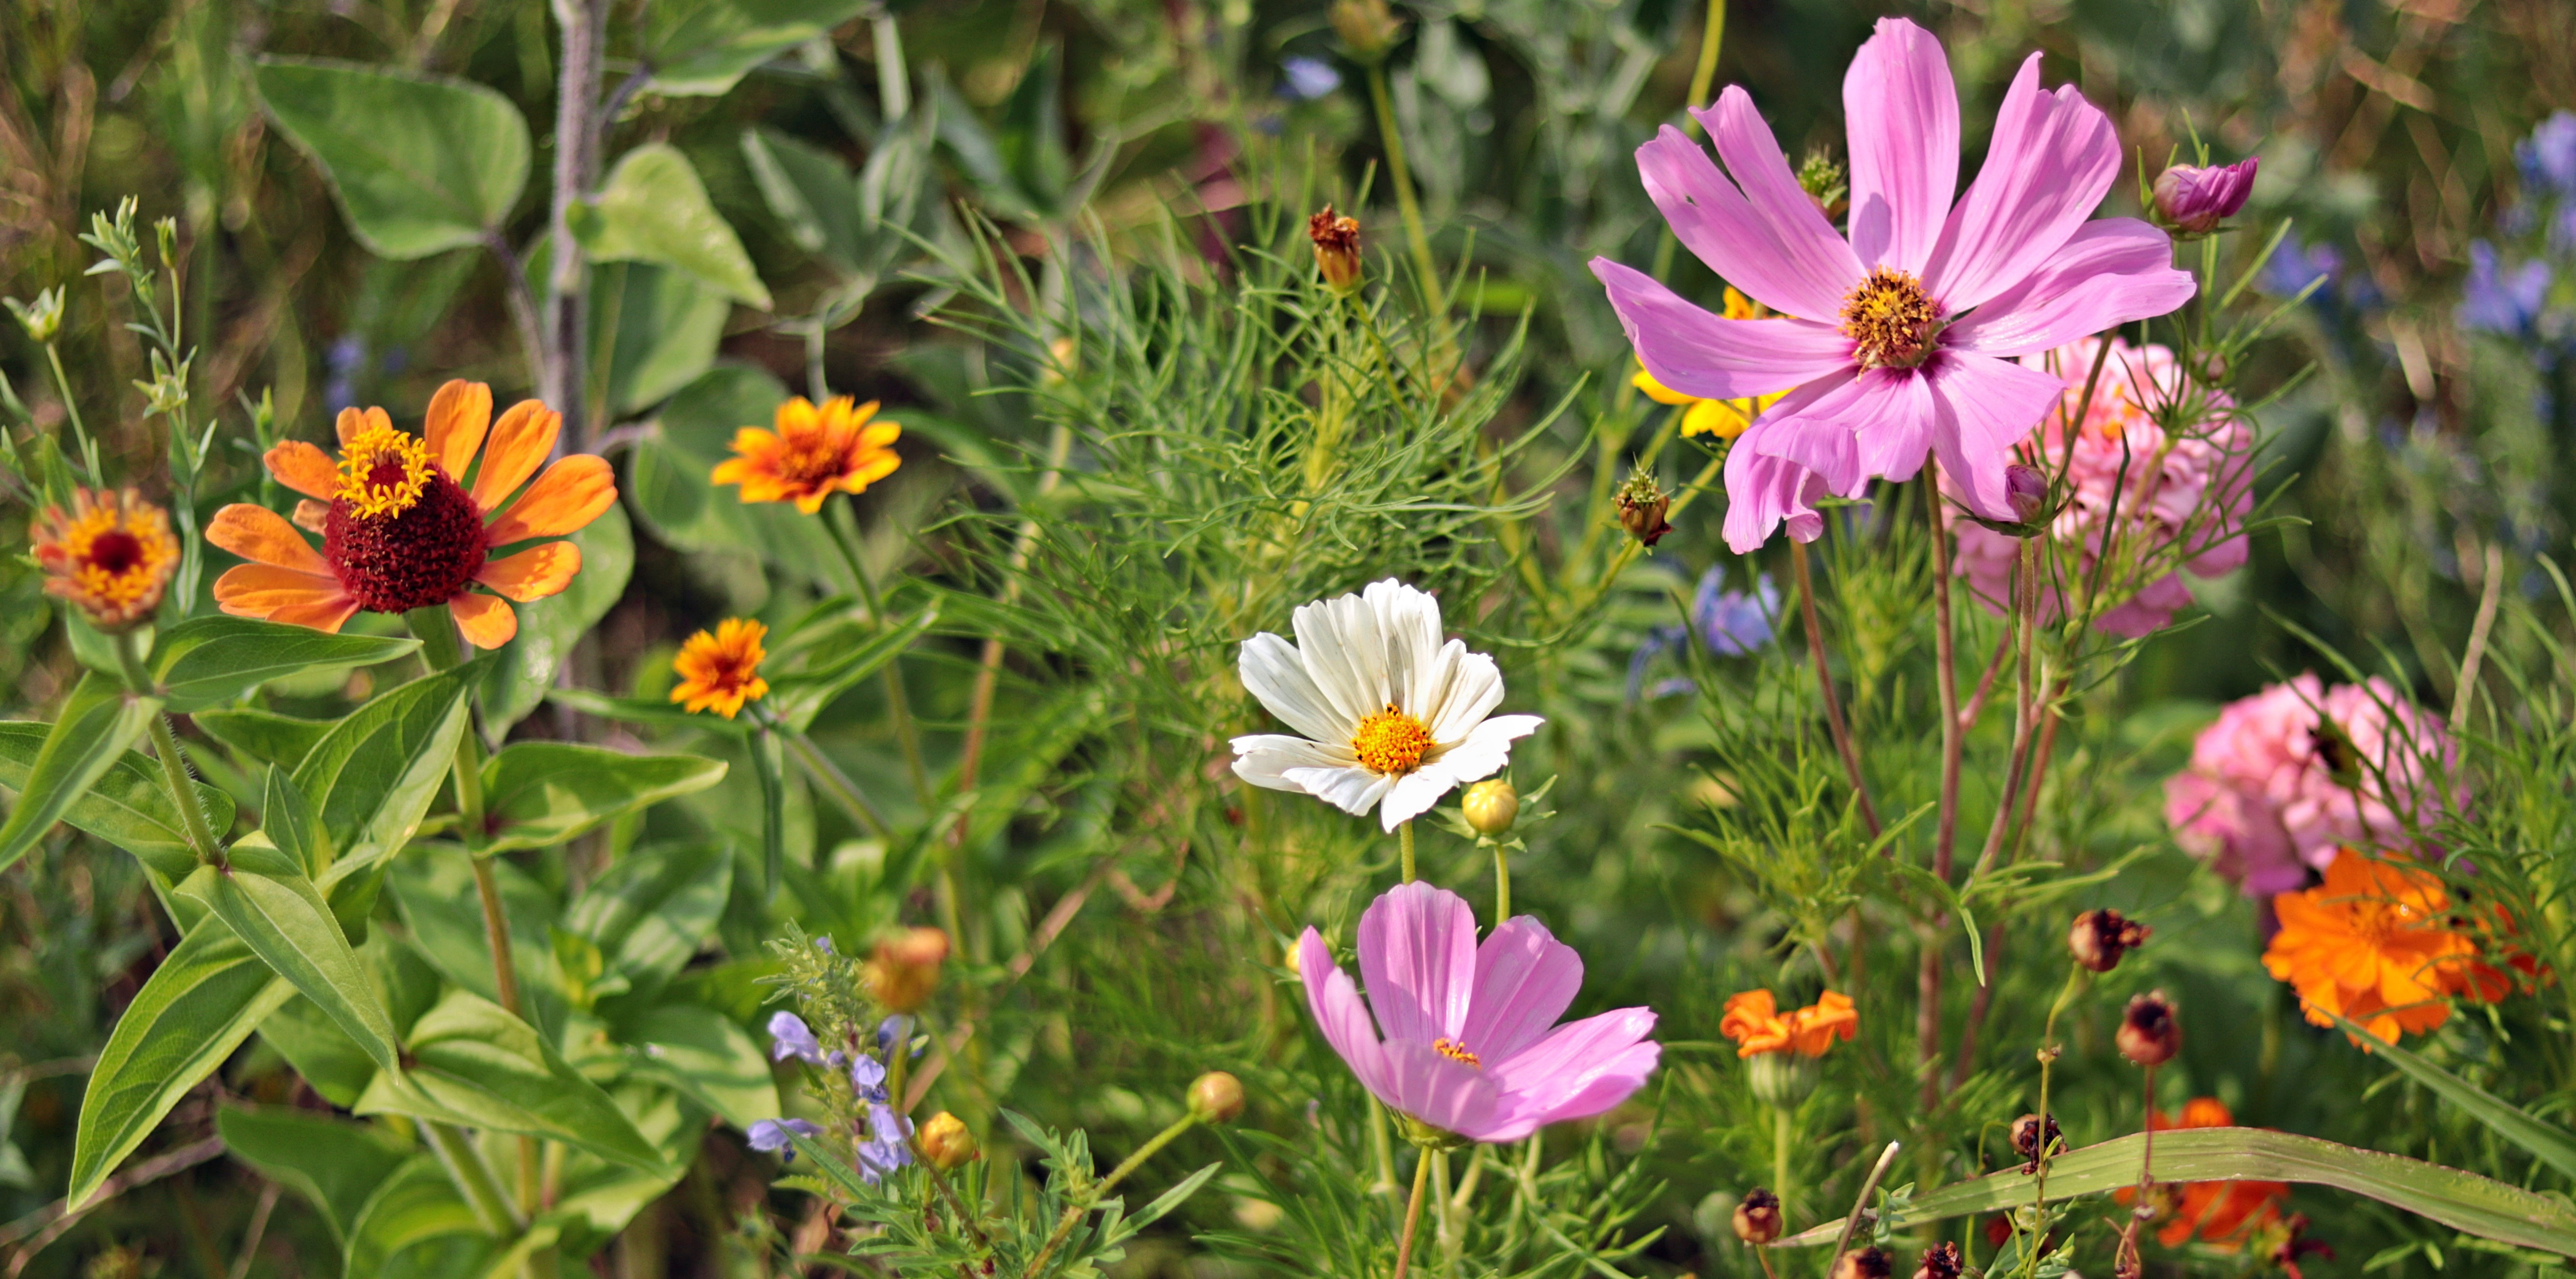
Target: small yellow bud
point(1216, 1097)
point(906, 968)
point(946, 1144)
point(1367, 27)
point(1337, 248)
point(1491, 806)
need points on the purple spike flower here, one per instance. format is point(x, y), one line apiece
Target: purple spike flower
point(867, 1078)
point(2193, 200)
point(889, 1147)
point(789, 1036)
point(769, 1136)
point(1471, 1044)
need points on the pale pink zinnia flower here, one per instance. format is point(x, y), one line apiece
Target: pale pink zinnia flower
point(2270, 791)
point(2180, 497)
point(1471, 1044)
point(1899, 340)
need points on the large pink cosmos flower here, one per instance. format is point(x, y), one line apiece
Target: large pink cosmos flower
point(2272, 791)
point(1471, 1044)
point(1898, 339)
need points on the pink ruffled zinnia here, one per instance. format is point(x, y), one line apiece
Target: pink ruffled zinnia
point(1471, 1043)
point(1899, 339)
point(2269, 793)
point(2181, 499)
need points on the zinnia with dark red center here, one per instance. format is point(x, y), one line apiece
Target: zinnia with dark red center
point(402, 529)
point(111, 556)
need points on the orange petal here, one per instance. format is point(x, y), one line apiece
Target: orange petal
point(312, 516)
point(518, 445)
point(458, 415)
point(533, 574)
point(259, 590)
point(304, 468)
point(571, 494)
point(486, 620)
point(324, 615)
point(263, 536)
point(352, 421)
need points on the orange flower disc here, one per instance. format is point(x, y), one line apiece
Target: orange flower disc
point(111, 555)
point(721, 671)
point(814, 453)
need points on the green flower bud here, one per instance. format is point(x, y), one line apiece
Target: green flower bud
point(1491, 806)
point(1216, 1097)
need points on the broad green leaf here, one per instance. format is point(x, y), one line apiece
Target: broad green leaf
point(334, 1163)
point(434, 888)
point(515, 679)
point(208, 660)
point(199, 1005)
point(475, 1064)
point(420, 163)
point(128, 806)
point(286, 817)
point(539, 794)
point(372, 777)
point(98, 722)
point(2461, 1200)
point(319, 1050)
point(415, 1205)
point(2552, 1144)
point(811, 191)
point(798, 696)
point(654, 328)
point(653, 208)
point(707, 1057)
point(264, 896)
point(262, 737)
point(704, 47)
point(654, 909)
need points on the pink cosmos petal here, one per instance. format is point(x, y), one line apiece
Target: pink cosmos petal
point(1613, 1082)
point(1525, 978)
point(2110, 272)
point(1763, 491)
point(1826, 267)
point(1418, 956)
point(1764, 249)
point(1903, 116)
point(1339, 1011)
point(2052, 159)
point(1982, 407)
point(1554, 1079)
point(2148, 610)
point(1855, 432)
point(1712, 357)
point(1446, 1094)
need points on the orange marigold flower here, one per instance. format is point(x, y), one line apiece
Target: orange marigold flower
point(111, 555)
point(1757, 1027)
point(814, 453)
point(2375, 944)
point(401, 528)
point(721, 671)
point(2223, 1213)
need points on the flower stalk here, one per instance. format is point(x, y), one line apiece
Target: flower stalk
point(165, 745)
point(1412, 1213)
point(1834, 721)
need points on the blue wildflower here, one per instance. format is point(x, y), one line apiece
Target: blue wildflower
point(889, 1148)
point(2548, 156)
point(789, 1036)
point(770, 1136)
point(1733, 623)
point(2498, 301)
point(894, 1030)
point(1306, 79)
point(867, 1078)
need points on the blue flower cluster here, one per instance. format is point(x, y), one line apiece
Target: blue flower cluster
point(883, 1135)
point(2514, 301)
point(1726, 623)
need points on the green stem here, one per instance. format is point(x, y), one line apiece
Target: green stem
point(1404, 843)
point(2047, 1059)
point(1782, 1131)
point(1400, 176)
point(1834, 721)
point(765, 765)
point(1712, 38)
point(1502, 884)
point(1073, 1212)
point(71, 409)
point(838, 784)
point(474, 1177)
point(1453, 1241)
point(1413, 1212)
point(174, 766)
point(894, 86)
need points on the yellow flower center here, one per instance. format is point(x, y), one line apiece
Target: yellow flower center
point(1451, 1049)
point(115, 564)
point(383, 472)
point(1890, 320)
point(1391, 742)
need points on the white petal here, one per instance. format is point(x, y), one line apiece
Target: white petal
point(1487, 747)
point(1408, 621)
point(1351, 789)
point(1475, 689)
point(1264, 759)
point(1345, 655)
point(1276, 673)
point(1415, 793)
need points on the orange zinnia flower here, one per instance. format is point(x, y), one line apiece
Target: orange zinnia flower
point(2374, 944)
point(400, 530)
point(111, 555)
point(721, 671)
point(2218, 1212)
point(814, 453)
point(1755, 1025)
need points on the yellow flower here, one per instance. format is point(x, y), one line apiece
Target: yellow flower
point(721, 671)
point(111, 555)
point(814, 453)
point(1724, 419)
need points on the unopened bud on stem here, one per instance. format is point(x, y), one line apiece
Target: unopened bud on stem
point(1757, 1219)
point(1491, 806)
point(2099, 938)
point(905, 968)
point(946, 1143)
point(2191, 200)
point(2149, 1035)
point(1337, 248)
point(1216, 1097)
point(1641, 508)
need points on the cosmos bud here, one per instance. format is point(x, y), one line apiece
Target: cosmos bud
point(1491, 806)
point(1641, 508)
point(1861, 1263)
point(1367, 27)
point(1337, 248)
point(2100, 937)
point(2026, 489)
point(2026, 1136)
point(2149, 1035)
point(1216, 1097)
point(905, 968)
point(1823, 181)
point(2191, 200)
point(1757, 1219)
point(1940, 1261)
point(946, 1144)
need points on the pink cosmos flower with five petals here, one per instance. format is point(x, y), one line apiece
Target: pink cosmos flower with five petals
point(1899, 338)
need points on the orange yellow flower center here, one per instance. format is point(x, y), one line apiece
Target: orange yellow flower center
point(1390, 742)
point(382, 472)
point(720, 670)
point(1451, 1049)
point(1891, 320)
point(114, 563)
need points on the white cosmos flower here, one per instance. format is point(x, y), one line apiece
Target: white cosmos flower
point(1390, 717)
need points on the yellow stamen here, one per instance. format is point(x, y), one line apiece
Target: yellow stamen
point(1391, 742)
point(1450, 1049)
point(383, 472)
point(1890, 320)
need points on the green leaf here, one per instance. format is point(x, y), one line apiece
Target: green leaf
point(668, 479)
point(264, 896)
point(654, 909)
point(97, 723)
point(811, 191)
point(261, 737)
point(435, 891)
point(1163, 1204)
point(319, 1050)
point(372, 776)
point(2552, 1144)
point(414, 1206)
point(420, 163)
point(128, 806)
point(516, 678)
point(655, 328)
point(653, 208)
point(475, 1064)
point(539, 794)
point(334, 1163)
point(704, 47)
point(645, 710)
point(199, 1005)
point(208, 660)
point(798, 696)
point(2461, 1200)
point(706, 1056)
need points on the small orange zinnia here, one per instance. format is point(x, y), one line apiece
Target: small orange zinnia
point(1757, 1027)
point(2374, 943)
point(721, 671)
point(400, 529)
point(111, 555)
point(2223, 1213)
point(814, 453)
